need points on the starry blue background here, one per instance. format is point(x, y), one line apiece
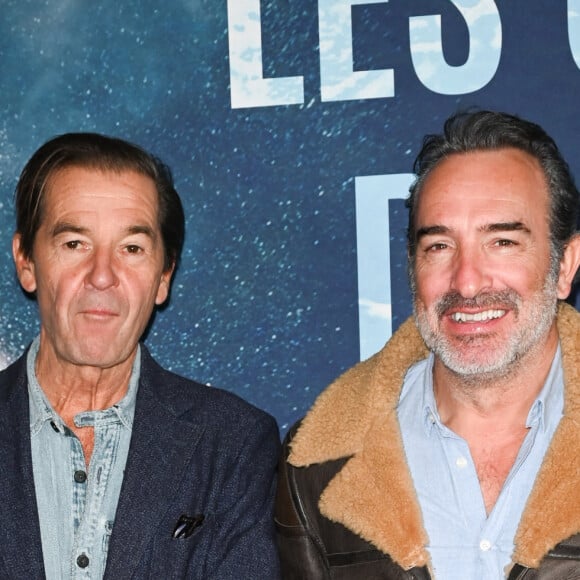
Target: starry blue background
point(265, 303)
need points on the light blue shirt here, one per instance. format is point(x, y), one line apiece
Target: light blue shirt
point(77, 508)
point(464, 542)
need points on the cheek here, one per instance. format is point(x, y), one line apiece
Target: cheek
point(142, 290)
point(428, 289)
point(58, 288)
point(50, 305)
point(524, 281)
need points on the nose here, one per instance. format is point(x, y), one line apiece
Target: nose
point(470, 273)
point(101, 274)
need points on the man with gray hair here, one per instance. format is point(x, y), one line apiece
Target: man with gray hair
point(453, 452)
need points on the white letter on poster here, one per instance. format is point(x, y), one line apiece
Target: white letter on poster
point(485, 39)
point(248, 86)
point(574, 29)
point(372, 195)
point(338, 81)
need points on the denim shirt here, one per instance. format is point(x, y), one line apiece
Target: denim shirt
point(77, 507)
point(464, 542)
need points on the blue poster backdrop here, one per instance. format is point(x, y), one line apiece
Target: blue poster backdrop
point(291, 127)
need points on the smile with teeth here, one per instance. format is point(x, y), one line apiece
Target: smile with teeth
point(477, 316)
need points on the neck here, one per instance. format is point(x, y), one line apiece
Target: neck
point(72, 389)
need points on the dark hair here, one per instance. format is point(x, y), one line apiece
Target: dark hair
point(487, 130)
point(94, 151)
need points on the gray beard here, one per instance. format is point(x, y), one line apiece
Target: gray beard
point(502, 361)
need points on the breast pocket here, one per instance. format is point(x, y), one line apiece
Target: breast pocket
point(181, 546)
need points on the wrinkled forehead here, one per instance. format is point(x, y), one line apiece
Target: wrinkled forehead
point(79, 189)
point(84, 174)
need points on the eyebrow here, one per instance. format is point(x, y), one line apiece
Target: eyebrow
point(431, 231)
point(507, 227)
point(487, 228)
point(146, 230)
point(68, 227)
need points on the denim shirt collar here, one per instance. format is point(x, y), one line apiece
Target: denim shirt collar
point(41, 410)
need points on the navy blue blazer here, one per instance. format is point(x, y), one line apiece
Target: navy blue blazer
point(195, 451)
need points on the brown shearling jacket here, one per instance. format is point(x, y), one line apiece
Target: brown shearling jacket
point(346, 506)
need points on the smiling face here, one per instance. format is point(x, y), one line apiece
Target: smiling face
point(96, 266)
point(485, 289)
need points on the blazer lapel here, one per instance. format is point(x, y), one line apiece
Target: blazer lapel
point(20, 529)
point(161, 448)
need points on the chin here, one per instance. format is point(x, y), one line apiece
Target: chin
point(476, 362)
point(103, 357)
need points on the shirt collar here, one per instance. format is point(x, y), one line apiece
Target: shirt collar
point(41, 410)
point(546, 408)
point(549, 404)
point(431, 417)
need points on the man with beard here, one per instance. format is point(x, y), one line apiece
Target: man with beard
point(453, 452)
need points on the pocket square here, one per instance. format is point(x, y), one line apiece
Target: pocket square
point(186, 525)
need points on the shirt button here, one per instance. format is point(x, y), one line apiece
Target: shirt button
point(485, 545)
point(83, 561)
point(461, 462)
point(80, 477)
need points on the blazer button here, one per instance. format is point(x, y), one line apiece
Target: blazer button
point(83, 561)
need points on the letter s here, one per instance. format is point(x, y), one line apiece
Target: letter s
point(485, 39)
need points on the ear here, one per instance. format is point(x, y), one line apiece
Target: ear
point(164, 285)
point(24, 265)
point(568, 267)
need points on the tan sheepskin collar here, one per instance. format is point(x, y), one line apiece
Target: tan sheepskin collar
point(373, 494)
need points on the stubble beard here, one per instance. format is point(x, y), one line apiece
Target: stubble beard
point(503, 357)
